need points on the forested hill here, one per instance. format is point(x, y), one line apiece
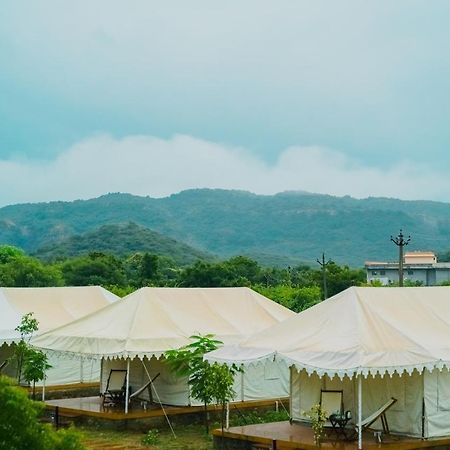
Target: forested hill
point(121, 240)
point(282, 228)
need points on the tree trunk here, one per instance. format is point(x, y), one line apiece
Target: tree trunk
point(206, 418)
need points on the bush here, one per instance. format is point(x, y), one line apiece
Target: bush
point(151, 438)
point(20, 428)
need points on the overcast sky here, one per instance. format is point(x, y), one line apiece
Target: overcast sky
point(153, 97)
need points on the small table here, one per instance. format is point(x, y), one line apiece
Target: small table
point(339, 423)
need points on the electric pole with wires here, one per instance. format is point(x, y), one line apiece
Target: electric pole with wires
point(400, 242)
point(324, 265)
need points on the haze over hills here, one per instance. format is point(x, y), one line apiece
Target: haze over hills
point(285, 228)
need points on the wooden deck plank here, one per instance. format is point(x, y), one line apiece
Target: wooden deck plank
point(300, 436)
point(93, 407)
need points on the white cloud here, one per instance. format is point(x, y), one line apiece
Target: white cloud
point(145, 165)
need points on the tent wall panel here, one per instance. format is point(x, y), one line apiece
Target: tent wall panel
point(259, 382)
point(63, 370)
point(437, 402)
point(404, 418)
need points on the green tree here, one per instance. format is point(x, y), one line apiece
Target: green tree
point(149, 269)
point(208, 382)
point(31, 363)
point(20, 428)
point(340, 278)
point(27, 326)
point(8, 253)
point(295, 298)
point(95, 269)
point(221, 379)
point(19, 270)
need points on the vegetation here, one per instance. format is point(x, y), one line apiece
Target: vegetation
point(318, 418)
point(284, 229)
point(121, 240)
point(297, 287)
point(209, 382)
point(31, 362)
point(20, 428)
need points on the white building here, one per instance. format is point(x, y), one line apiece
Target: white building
point(418, 266)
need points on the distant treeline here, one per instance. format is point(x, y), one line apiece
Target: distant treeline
point(295, 287)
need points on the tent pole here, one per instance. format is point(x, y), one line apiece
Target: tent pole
point(359, 411)
point(81, 370)
point(127, 387)
point(227, 417)
point(242, 383)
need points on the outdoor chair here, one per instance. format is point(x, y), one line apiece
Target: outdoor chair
point(115, 387)
point(380, 413)
point(332, 403)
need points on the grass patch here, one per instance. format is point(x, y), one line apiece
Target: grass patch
point(189, 437)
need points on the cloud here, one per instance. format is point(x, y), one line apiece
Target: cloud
point(146, 165)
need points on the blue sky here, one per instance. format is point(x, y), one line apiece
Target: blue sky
point(345, 98)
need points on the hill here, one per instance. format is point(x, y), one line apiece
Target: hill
point(284, 228)
point(121, 240)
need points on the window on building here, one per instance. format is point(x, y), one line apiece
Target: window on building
point(374, 272)
point(410, 272)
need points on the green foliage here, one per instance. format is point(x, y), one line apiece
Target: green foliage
point(295, 298)
point(290, 227)
point(27, 326)
point(8, 253)
point(237, 271)
point(20, 270)
point(19, 425)
point(121, 240)
point(208, 382)
point(94, 269)
point(318, 417)
point(151, 438)
point(35, 364)
point(31, 363)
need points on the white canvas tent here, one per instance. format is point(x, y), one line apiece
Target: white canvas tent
point(374, 343)
point(138, 330)
point(52, 307)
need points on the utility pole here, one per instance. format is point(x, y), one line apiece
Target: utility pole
point(400, 242)
point(324, 265)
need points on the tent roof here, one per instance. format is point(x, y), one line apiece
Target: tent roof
point(152, 320)
point(360, 330)
point(52, 306)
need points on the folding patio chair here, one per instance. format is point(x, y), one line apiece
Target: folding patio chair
point(380, 413)
point(115, 387)
point(3, 365)
point(332, 403)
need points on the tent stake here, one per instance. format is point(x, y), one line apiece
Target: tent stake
point(359, 411)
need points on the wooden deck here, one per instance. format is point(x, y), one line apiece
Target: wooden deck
point(286, 436)
point(93, 407)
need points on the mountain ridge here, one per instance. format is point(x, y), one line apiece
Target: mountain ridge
point(296, 226)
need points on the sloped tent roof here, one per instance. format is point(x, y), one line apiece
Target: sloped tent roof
point(52, 306)
point(152, 320)
point(360, 330)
